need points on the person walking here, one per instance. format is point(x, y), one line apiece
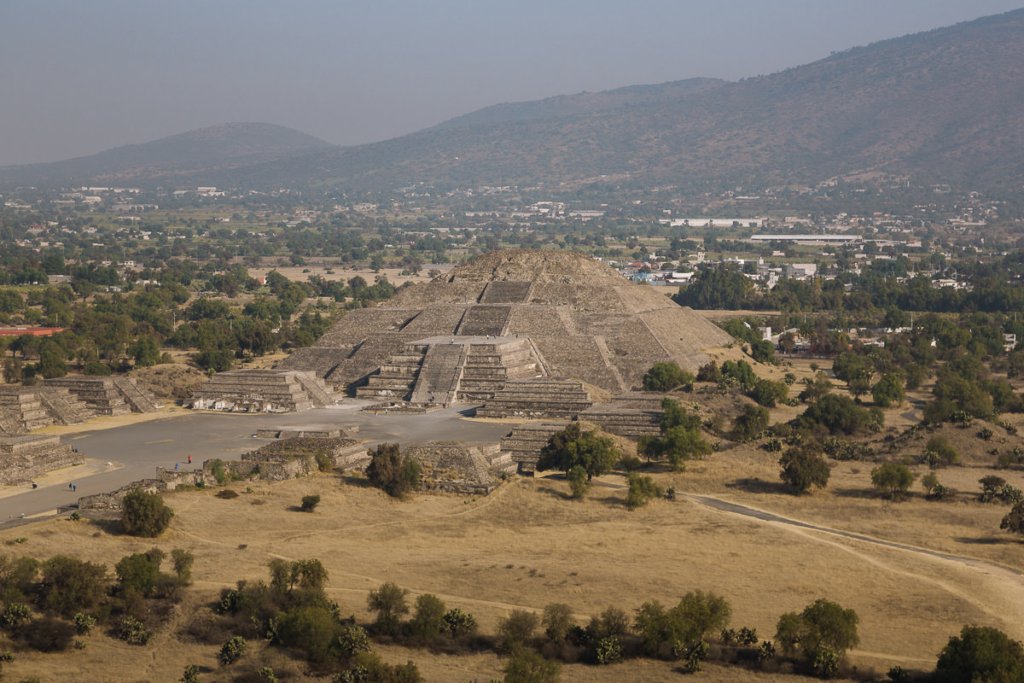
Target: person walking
point(190, 460)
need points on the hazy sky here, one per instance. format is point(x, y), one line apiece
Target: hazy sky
point(80, 76)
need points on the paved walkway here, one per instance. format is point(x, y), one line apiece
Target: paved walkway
point(121, 455)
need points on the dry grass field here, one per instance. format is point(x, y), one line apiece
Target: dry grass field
point(527, 545)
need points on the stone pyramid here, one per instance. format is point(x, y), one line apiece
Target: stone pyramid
point(510, 315)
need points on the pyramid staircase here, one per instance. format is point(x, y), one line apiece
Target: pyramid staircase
point(397, 377)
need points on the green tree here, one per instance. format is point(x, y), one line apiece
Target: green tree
point(803, 467)
point(528, 666)
point(750, 424)
point(680, 438)
point(823, 628)
point(892, 479)
point(720, 287)
point(557, 621)
point(641, 489)
point(980, 654)
point(666, 376)
point(144, 514)
point(52, 360)
point(140, 572)
point(939, 452)
point(389, 603)
point(69, 585)
point(574, 447)
point(389, 470)
point(428, 618)
point(697, 615)
point(1014, 519)
point(888, 391)
point(517, 628)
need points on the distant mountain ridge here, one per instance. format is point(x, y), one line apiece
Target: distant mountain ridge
point(942, 106)
point(229, 145)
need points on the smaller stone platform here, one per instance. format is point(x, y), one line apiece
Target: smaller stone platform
point(25, 457)
point(460, 468)
point(263, 391)
point(23, 409)
point(108, 395)
point(524, 443)
point(537, 398)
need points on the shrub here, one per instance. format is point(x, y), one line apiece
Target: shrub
point(227, 494)
point(709, 372)
point(428, 618)
point(69, 585)
point(892, 479)
point(352, 639)
point(389, 603)
point(980, 653)
point(680, 439)
point(140, 572)
point(517, 628)
point(823, 631)
point(557, 621)
point(183, 561)
point(14, 617)
point(574, 447)
point(641, 490)
point(683, 626)
point(768, 393)
point(191, 674)
point(938, 452)
point(84, 623)
point(48, 634)
point(390, 471)
point(750, 424)
point(666, 377)
point(312, 629)
point(888, 391)
point(232, 650)
point(145, 514)
point(1014, 520)
point(608, 650)
point(838, 415)
point(803, 467)
point(309, 503)
point(528, 666)
point(219, 471)
point(132, 631)
point(459, 624)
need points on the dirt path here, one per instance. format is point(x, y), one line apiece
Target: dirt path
point(764, 515)
point(1005, 586)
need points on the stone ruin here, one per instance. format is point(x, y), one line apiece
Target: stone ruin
point(537, 398)
point(505, 316)
point(524, 443)
point(263, 391)
point(633, 415)
point(22, 458)
point(454, 467)
point(116, 395)
point(278, 461)
point(23, 409)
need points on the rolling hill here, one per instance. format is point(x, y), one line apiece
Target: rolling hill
point(205, 150)
point(942, 106)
